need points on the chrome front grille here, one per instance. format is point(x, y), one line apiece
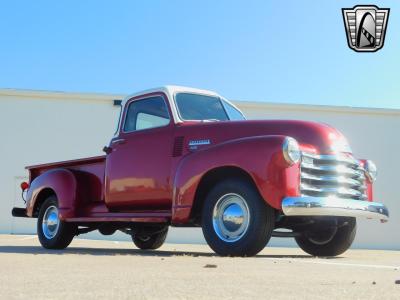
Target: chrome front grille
point(332, 176)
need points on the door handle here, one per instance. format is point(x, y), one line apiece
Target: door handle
point(118, 141)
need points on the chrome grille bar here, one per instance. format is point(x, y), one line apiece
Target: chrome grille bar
point(334, 169)
point(335, 158)
point(332, 175)
point(332, 180)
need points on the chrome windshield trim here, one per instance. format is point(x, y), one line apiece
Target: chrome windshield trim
point(332, 206)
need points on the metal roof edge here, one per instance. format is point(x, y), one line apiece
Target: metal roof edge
point(59, 95)
point(312, 107)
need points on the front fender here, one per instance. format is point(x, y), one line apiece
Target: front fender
point(64, 185)
point(260, 157)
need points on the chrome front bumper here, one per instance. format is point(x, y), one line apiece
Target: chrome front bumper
point(325, 206)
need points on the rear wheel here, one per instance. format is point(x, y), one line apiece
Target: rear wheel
point(329, 241)
point(150, 240)
point(52, 232)
point(236, 221)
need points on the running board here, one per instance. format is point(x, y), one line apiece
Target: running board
point(139, 217)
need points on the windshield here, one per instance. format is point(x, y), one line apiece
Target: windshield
point(201, 107)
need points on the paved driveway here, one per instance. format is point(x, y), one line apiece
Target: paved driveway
point(105, 269)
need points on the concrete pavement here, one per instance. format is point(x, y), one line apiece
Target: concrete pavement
point(91, 269)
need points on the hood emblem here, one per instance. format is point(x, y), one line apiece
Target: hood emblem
point(194, 144)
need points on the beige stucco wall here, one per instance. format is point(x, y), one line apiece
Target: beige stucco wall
point(38, 127)
point(45, 126)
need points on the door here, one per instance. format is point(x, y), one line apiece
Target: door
point(139, 165)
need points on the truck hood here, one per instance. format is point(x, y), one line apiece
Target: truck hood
point(312, 136)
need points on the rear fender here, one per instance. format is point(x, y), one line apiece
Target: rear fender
point(63, 183)
point(260, 157)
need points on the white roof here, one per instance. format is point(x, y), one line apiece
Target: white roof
point(171, 90)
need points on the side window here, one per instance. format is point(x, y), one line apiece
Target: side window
point(147, 113)
point(233, 113)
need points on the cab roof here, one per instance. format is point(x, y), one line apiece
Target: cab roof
point(170, 91)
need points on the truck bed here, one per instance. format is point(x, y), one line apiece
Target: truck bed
point(89, 173)
point(68, 163)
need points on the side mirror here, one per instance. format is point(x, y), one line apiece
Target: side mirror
point(107, 150)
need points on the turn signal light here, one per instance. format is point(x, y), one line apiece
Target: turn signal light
point(24, 186)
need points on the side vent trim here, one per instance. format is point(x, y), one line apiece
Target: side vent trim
point(178, 146)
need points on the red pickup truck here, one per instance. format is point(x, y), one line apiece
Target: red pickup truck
point(188, 157)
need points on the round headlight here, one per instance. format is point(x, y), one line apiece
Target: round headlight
point(370, 170)
point(291, 151)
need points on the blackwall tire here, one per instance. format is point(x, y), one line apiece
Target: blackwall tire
point(334, 245)
point(52, 232)
point(236, 221)
point(151, 241)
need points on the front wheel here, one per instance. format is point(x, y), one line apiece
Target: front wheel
point(52, 232)
point(330, 241)
point(236, 221)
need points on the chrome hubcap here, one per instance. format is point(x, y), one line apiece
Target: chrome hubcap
point(231, 217)
point(50, 222)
